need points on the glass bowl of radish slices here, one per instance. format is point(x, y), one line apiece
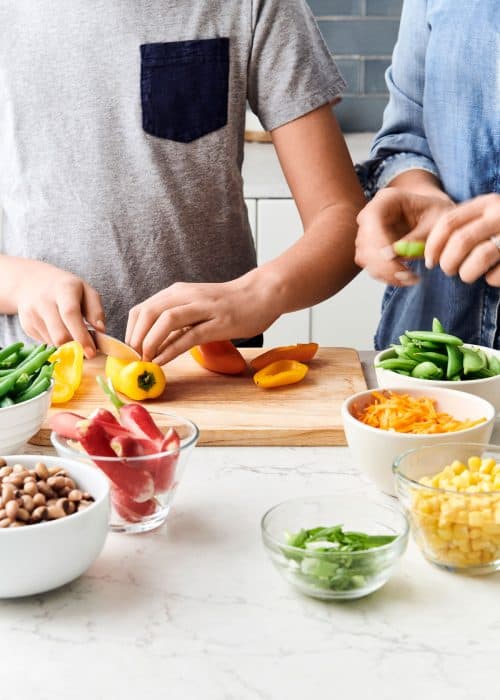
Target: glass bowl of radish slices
point(143, 453)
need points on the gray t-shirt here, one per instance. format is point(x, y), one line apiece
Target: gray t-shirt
point(121, 133)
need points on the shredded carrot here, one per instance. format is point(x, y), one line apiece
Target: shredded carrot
point(406, 414)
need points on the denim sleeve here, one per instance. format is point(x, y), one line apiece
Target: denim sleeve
point(401, 144)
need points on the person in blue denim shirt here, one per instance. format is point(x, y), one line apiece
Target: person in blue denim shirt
point(438, 147)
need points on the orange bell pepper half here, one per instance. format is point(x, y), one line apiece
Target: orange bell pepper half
point(220, 356)
point(280, 373)
point(303, 352)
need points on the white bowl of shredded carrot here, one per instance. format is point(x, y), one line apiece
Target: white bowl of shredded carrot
point(381, 425)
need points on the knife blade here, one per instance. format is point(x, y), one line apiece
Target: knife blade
point(112, 346)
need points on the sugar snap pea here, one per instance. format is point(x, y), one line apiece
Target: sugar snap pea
point(494, 364)
point(409, 249)
point(454, 365)
point(445, 338)
point(437, 326)
point(398, 363)
point(427, 370)
point(430, 356)
point(436, 354)
point(473, 361)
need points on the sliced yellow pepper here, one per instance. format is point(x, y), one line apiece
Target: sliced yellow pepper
point(137, 380)
point(280, 373)
point(68, 369)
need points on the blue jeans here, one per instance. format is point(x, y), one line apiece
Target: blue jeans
point(471, 311)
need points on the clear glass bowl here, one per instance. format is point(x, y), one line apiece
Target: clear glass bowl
point(166, 468)
point(455, 530)
point(335, 575)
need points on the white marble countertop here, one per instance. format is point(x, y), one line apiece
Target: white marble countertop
point(196, 611)
point(262, 175)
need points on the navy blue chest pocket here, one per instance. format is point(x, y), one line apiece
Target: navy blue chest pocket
point(184, 88)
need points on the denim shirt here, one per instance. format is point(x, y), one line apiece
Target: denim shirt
point(443, 116)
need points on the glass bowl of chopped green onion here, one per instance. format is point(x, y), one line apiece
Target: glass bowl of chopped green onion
point(335, 547)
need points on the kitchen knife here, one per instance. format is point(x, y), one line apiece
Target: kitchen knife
point(112, 346)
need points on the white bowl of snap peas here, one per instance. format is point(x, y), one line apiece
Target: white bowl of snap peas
point(25, 393)
point(435, 358)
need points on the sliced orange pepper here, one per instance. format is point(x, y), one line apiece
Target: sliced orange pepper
point(302, 352)
point(280, 373)
point(220, 356)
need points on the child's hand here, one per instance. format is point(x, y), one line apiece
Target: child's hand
point(52, 305)
point(183, 315)
point(394, 214)
point(466, 241)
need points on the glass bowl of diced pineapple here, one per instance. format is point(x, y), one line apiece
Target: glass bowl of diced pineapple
point(451, 493)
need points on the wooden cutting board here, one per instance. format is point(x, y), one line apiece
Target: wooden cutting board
point(234, 411)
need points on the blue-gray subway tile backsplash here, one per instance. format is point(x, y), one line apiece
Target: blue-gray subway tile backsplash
point(352, 71)
point(361, 35)
point(374, 81)
point(384, 8)
point(361, 112)
point(367, 37)
point(336, 7)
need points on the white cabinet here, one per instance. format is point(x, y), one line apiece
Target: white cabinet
point(348, 319)
point(278, 227)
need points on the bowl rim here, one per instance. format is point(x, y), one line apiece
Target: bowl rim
point(52, 523)
point(435, 489)
point(392, 507)
point(57, 443)
point(461, 382)
point(346, 413)
point(26, 403)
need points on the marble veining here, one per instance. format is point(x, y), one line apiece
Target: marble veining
point(196, 611)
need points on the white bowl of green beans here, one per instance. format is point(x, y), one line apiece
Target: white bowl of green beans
point(26, 386)
point(437, 359)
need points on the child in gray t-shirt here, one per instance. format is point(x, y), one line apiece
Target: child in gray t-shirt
point(121, 143)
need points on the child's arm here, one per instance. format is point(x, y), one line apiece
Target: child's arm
point(51, 303)
point(319, 170)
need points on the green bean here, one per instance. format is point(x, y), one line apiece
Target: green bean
point(445, 338)
point(427, 370)
point(30, 365)
point(9, 350)
point(455, 363)
point(34, 390)
point(21, 383)
point(6, 402)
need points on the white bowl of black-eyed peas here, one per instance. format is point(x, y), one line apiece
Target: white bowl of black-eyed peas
point(54, 516)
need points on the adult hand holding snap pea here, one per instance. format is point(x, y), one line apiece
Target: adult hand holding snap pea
point(466, 241)
point(395, 215)
point(52, 304)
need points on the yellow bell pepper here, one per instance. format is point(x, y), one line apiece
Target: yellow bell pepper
point(68, 369)
point(280, 373)
point(137, 380)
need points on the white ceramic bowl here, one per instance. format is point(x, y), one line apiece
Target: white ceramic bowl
point(20, 422)
point(375, 450)
point(37, 558)
point(488, 388)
